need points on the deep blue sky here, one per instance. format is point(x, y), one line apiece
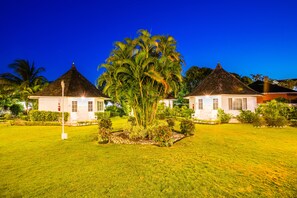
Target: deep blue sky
point(246, 37)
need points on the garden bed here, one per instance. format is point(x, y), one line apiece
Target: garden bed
point(122, 137)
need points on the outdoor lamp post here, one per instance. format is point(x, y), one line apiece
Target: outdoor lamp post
point(64, 135)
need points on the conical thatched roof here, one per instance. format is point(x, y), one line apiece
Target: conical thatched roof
point(221, 82)
point(76, 85)
point(271, 88)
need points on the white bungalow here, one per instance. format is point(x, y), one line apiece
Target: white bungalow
point(81, 98)
point(221, 90)
point(168, 101)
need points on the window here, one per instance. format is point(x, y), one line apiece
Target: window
point(74, 106)
point(215, 103)
point(244, 104)
point(237, 103)
point(90, 106)
point(100, 106)
point(200, 104)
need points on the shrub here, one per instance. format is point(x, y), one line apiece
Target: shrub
point(16, 109)
point(223, 117)
point(170, 122)
point(246, 116)
point(115, 111)
point(105, 126)
point(7, 116)
point(293, 123)
point(102, 115)
point(186, 112)
point(44, 116)
point(276, 121)
point(104, 135)
point(132, 121)
point(137, 132)
point(187, 127)
point(275, 113)
point(259, 121)
point(161, 116)
point(163, 136)
point(105, 123)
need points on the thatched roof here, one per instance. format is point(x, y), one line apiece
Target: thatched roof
point(271, 88)
point(221, 82)
point(76, 85)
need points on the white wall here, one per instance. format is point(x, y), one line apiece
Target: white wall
point(82, 114)
point(251, 103)
point(208, 113)
point(167, 102)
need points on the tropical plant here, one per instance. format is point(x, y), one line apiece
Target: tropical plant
point(142, 71)
point(163, 135)
point(223, 117)
point(187, 127)
point(246, 116)
point(275, 113)
point(24, 81)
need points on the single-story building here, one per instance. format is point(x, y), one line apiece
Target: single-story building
point(221, 90)
point(168, 101)
point(271, 91)
point(81, 98)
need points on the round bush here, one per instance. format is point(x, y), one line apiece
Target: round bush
point(187, 127)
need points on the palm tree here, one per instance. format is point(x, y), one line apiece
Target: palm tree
point(24, 81)
point(141, 72)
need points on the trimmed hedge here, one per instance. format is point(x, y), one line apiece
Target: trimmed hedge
point(102, 115)
point(47, 116)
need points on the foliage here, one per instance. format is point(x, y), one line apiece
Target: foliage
point(170, 122)
point(194, 76)
point(163, 135)
point(292, 113)
point(16, 109)
point(24, 81)
point(176, 111)
point(138, 132)
point(259, 121)
point(246, 116)
point(115, 111)
point(105, 126)
point(35, 115)
point(187, 127)
point(105, 123)
point(102, 115)
point(223, 117)
point(288, 83)
point(104, 135)
point(293, 123)
point(142, 71)
point(275, 113)
point(132, 120)
point(256, 77)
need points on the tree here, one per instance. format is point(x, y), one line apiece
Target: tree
point(24, 81)
point(195, 75)
point(256, 77)
point(290, 84)
point(142, 71)
point(246, 80)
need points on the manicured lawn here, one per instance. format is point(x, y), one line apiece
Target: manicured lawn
point(218, 161)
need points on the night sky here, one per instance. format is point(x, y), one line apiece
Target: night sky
point(246, 37)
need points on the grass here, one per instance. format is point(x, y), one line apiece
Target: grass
point(218, 161)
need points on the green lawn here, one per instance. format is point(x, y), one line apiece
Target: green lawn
point(218, 161)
